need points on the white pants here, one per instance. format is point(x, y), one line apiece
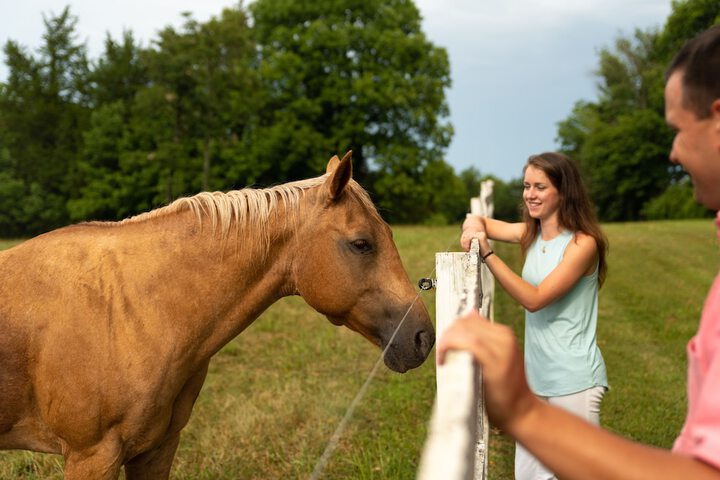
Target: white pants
point(585, 404)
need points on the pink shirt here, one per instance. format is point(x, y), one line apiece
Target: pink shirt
point(700, 436)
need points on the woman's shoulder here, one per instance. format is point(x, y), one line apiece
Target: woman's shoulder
point(584, 241)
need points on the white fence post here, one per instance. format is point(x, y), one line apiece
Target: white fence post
point(456, 447)
point(485, 208)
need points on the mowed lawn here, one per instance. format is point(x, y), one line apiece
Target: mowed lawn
point(275, 395)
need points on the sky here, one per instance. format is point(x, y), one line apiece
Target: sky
point(517, 66)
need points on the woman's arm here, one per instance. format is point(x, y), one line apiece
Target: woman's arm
point(567, 445)
point(495, 230)
point(580, 259)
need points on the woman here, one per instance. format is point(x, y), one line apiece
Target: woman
point(565, 265)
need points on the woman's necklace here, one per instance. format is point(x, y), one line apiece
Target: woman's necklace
point(543, 244)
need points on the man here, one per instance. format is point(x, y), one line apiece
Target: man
point(566, 444)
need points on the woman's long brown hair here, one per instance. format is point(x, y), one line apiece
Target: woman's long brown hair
point(576, 212)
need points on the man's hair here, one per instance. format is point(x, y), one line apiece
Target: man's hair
point(699, 61)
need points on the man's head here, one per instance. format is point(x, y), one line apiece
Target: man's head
point(692, 109)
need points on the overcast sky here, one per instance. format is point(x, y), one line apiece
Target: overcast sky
point(518, 66)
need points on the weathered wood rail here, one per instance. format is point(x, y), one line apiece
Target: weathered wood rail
point(457, 443)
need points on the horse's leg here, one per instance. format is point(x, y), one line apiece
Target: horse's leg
point(156, 464)
point(101, 462)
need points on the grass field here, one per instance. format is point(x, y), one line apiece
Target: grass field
point(275, 394)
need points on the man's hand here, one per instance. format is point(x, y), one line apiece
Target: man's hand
point(507, 395)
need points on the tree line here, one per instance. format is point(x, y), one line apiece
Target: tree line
point(621, 140)
point(253, 97)
point(264, 94)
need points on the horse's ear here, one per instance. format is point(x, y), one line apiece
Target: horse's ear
point(340, 175)
point(332, 164)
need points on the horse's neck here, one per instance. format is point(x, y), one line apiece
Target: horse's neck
point(222, 283)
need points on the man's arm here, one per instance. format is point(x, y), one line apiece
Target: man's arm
point(573, 448)
point(566, 444)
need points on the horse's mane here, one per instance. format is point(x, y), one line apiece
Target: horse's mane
point(247, 208)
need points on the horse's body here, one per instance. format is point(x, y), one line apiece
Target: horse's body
point(107, 329)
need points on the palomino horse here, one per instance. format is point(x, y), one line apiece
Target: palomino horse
point(107, 329)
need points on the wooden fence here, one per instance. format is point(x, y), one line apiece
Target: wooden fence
point(457, 443)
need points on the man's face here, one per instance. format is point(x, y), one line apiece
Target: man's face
point(696, 146)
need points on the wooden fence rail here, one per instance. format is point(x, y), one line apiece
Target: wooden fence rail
point(457, 443)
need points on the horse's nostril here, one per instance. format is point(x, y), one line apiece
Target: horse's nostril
point(422, 341)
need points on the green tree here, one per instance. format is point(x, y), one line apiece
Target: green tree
point(226, 83)
point(168, 107)
point(507, 198)
point(118, 74)
point(577, 127)
point(623, 84)
point(101, 197)
point(203, 97)
point(625, 164)
point(114, 82)
point(471, 178)
point(433, 195)
point(205, 107)
point(43, 111)
point(620, 140)
point(447, 197)
point(675, 202)
point(169, 120)
point(12, 191)
point(687, 19)
point(351, 74)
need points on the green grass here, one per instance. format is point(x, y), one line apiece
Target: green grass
point(8, 243)
point(275, 395)
point(659, 274)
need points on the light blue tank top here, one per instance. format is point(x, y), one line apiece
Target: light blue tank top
point(561, 352)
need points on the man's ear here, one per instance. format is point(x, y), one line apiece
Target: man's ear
point(340, 176)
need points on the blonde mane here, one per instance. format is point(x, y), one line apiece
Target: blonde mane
point(249, 208)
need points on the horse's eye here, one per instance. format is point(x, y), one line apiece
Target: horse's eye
point(361, 246)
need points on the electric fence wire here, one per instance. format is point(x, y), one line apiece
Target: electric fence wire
point(335, 439)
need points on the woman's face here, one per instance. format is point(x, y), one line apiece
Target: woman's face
point(541, 197)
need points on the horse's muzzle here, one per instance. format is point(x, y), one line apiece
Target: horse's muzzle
point(412, 343)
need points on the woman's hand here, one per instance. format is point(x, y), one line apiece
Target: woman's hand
point(473, 227)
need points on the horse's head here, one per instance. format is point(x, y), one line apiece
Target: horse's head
point(348, 268)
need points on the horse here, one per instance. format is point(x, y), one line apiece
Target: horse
point(108, 327)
